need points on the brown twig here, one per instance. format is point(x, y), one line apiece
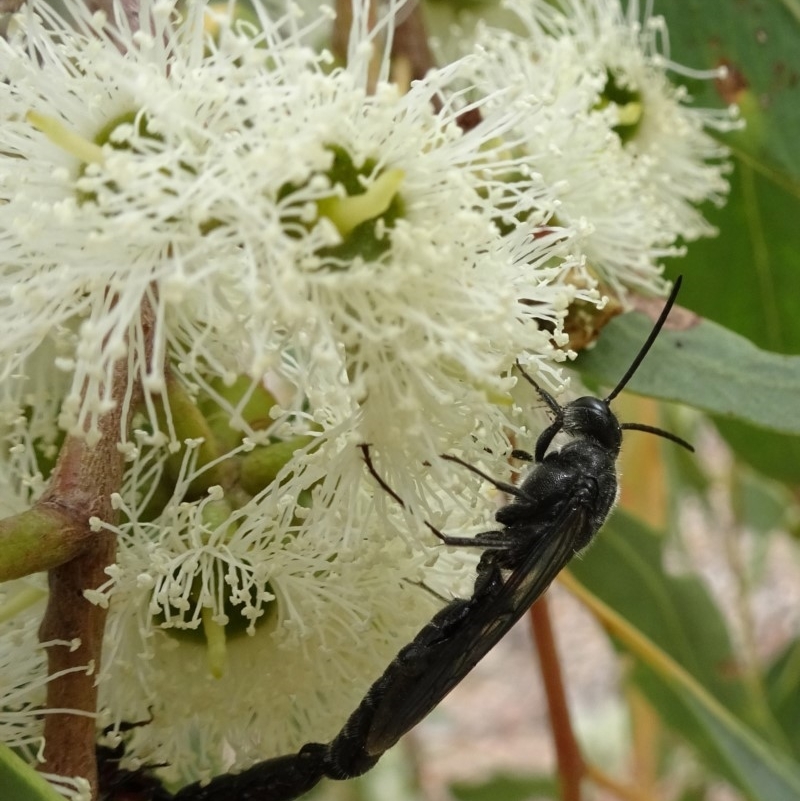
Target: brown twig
point(80, 488)
point(11, 6)
point(128, 8)
point(571, 767)
point(341, 37)
point(410, 44)
point(412, 58)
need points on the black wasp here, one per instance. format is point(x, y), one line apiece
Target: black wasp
point(553, 514)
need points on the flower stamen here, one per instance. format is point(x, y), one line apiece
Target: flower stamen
point(58, 133)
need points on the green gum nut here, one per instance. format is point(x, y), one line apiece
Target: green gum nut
point(256, 405)
point(189, 423)
point(215, 514)
point(260, 467)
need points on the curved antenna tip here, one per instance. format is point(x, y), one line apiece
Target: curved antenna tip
point(651, 338)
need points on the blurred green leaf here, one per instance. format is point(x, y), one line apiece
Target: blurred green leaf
point(763, 772)
point(503, 787)
point(736, 734)
point(748, 278)
point(772, 454)
point(759, 504)
point(705, 366)
point(624, 568)
point(20, 782)
point(782, 681)
point(758, 43)
point(694, 794)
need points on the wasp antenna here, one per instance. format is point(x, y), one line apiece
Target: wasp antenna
point(662, 318)
point(659, 432)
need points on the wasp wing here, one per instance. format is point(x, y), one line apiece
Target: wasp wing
point(446, 650)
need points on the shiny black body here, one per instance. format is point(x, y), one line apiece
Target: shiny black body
point(280, 779)
point(553, 514)
point(115, 783)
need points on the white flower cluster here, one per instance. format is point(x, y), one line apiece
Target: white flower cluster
point(325, 259)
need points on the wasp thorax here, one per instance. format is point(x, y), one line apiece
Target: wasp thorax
point(592, 417)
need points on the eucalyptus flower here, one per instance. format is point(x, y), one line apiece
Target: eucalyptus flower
point(271, 212)
point(239, 633)
point(665, 150)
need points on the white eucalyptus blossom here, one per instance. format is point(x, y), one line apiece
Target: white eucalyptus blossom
point(671, 161)
point(264, 206)
point(23, 664)
point(599, 191)
point(280, 612)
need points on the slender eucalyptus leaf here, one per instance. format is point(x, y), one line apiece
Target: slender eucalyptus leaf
point(705, 366)
point(764, 773)
point(748, 278)
point(774, 455)
point(782, 681)
point(624, 568)
point(762, 505)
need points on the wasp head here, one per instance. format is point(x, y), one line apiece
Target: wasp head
point(592, 418)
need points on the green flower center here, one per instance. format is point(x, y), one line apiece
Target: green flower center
point(362, 209)
point(630, 108)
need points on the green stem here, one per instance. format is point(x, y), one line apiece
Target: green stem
point(40, 539)
point(215, 643)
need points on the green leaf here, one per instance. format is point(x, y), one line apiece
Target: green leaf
point(624, 568)
point(772, 454)
point(783, 688)
point(748, 278)
point(705, 366)
point(758, 43)
point(763, 773)
point(673, 626)
point(503, 787)
point(20, 782)
point(761, 505)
